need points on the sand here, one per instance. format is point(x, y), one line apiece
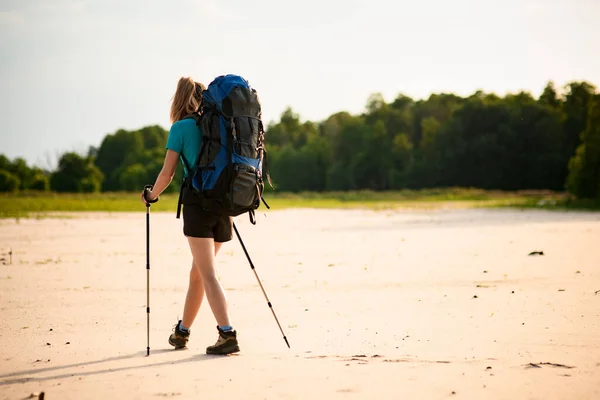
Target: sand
point(376, 305)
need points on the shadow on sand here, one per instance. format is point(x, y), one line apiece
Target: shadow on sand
point(25, 376)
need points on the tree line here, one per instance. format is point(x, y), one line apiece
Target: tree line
point(511, 142)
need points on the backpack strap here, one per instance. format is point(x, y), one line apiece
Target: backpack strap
point(184, 183)
point(179, 201)
point(185, 163)
point(187, 181)
point(265, 202)
point(195, 116)
point(266, 168)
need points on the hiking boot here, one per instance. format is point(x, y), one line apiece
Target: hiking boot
point(179, 338)
point(226, 343)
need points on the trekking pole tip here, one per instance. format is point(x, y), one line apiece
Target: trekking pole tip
point(286, 342)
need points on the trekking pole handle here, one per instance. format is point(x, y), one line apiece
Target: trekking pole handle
point(147, 190)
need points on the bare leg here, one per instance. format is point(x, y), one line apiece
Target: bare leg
point(195, 294)
point(203, 251)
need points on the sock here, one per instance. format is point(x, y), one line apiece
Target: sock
point(226, 328)
point(182, 329)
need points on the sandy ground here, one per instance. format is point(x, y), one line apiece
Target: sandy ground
point(376, 305)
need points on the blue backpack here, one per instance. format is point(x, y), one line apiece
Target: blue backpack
point(228, 176)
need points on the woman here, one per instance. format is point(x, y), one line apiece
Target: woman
point(205, 232)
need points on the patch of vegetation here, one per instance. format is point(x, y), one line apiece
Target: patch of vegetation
point(45, 204)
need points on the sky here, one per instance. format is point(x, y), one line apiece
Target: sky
point(73, 71)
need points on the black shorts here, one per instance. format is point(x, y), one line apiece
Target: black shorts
point(201, 224)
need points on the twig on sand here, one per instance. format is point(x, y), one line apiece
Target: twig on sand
point(539, 365)
point(532, 365)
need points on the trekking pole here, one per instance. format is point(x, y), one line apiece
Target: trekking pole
point(259, 282)
point(146, 190)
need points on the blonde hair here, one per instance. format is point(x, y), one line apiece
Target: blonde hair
point(187, 98)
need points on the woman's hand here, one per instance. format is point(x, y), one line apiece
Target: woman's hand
point(144, 198)
point(147, 196)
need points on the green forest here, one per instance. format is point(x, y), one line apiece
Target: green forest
point(485, 141)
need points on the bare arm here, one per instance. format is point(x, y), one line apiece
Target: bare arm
point(166, 174)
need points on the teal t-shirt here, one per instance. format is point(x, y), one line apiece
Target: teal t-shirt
point(185, 138)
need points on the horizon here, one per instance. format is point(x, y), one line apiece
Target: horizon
point(100, 66)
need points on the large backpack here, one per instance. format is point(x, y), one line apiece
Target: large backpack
point(228, 175)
